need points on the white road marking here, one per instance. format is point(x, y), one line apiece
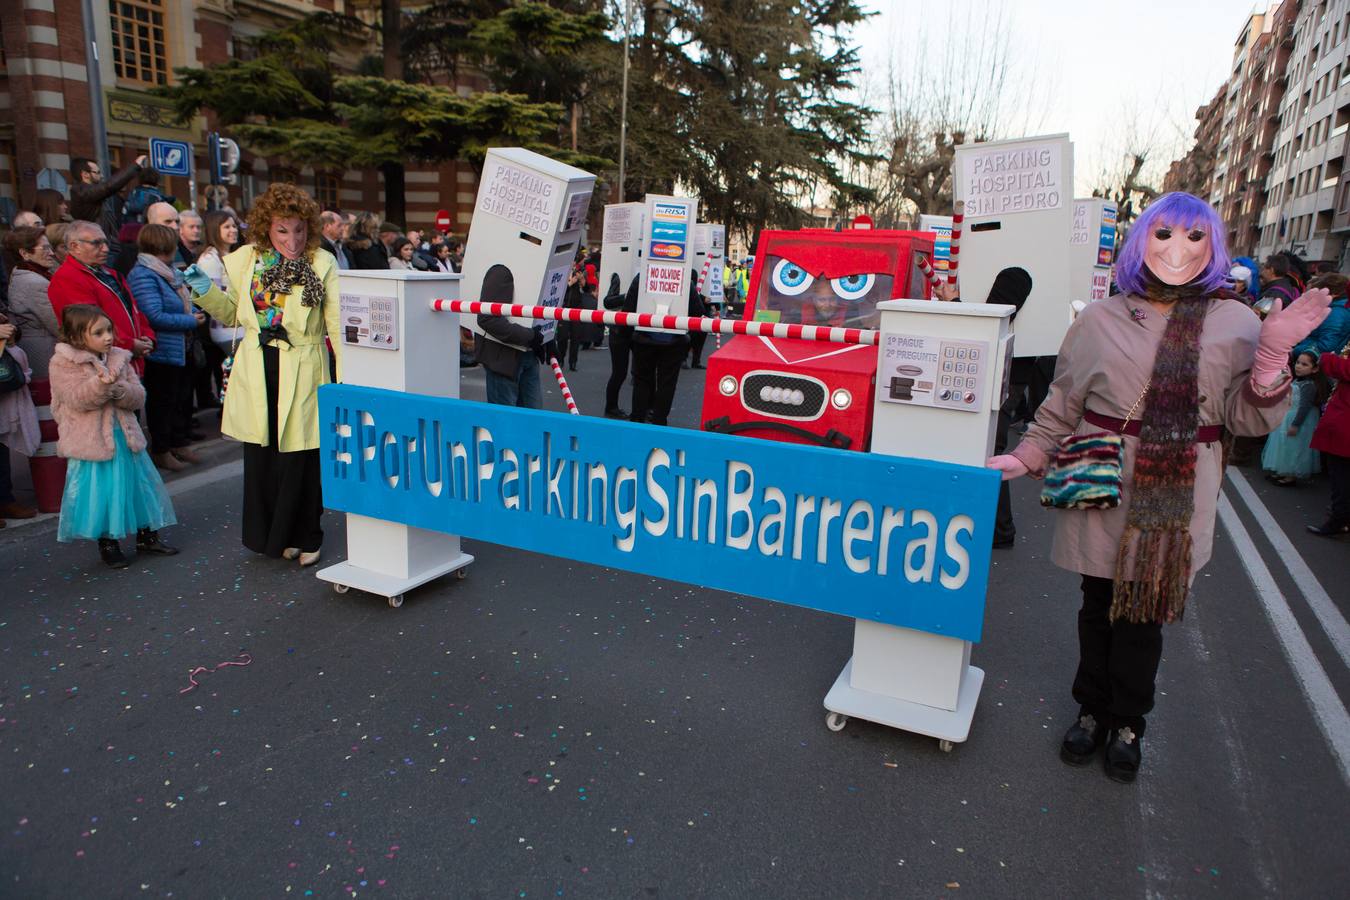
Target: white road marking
point(1312, 678)
point(1333, 623)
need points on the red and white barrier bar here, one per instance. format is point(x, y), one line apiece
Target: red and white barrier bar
point(934, 279)
point(562, 386)
point(954, 254)
point(707, 324)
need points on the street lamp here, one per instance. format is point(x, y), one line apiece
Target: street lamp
point(660, 7)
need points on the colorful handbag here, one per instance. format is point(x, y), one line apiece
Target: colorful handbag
point(1085, 473)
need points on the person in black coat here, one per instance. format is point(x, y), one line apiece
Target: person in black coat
point(364, 249)
point(620, 350)
point(656, 362)
point(510, 352)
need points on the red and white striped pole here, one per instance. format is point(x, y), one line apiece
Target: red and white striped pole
point(562, 385)
point(954, 254)
point(707, 324)
point(934, 279)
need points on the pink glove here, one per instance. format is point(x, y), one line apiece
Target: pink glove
point(1282, 329)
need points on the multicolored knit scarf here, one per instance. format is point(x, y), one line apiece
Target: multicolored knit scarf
point(1162, 499)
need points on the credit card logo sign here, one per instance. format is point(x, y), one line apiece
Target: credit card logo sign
point(675, 211)
point(670, 251)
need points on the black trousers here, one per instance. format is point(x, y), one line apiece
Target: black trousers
point(1117, 662)
point(568, 345)
point(696, 342)
point(1338, 467)
point(167, 390)
point(620, 353)
point(283, 493)
point(656, 370)
point(1004, 527)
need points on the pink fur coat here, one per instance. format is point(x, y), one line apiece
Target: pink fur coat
point(86, 394)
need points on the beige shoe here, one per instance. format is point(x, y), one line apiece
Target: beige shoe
point(309, 559)
point(187, 455)
point(290, 553)
point(168, 462)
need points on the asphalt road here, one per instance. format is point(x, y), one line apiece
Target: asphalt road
point(548, 729)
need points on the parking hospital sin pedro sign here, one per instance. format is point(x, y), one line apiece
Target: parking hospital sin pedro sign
point(901, 541)
point(1013, 180)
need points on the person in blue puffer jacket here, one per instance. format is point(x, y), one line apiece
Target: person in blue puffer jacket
point(164, 299)
point(1332, 334)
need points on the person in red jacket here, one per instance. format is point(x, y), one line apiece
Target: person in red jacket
point(1332, 438)
point(83, 278)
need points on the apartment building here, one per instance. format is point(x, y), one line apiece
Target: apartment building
point(1307, 208)
point(1194, 172)
point(46, 103)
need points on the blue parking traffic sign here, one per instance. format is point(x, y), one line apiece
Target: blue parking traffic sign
point(171, 157)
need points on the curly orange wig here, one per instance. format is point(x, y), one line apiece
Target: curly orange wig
point(284, 201)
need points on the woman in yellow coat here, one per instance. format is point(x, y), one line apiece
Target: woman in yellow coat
point(284, 292)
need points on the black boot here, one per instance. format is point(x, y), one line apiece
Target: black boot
point(1082, 741)
point(1329, 528)
point(1124, 753)
point(111, 551)
point(616, 413)
point(148, 541)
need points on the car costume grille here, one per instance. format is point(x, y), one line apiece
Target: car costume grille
point(784, 396)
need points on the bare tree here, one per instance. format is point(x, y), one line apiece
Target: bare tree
point(1132, 159)
point(947, 83)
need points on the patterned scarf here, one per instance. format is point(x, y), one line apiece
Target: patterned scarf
point(282, 276)
point(1162, 501)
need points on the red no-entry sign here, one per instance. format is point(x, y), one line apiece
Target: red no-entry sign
point(443, 221)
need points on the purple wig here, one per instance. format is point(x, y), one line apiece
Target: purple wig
point(1180, 211)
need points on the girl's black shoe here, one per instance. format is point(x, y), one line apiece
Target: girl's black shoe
point(1123, 755)
point(1082, 741)
point(1329, 529)
point(148, 541)
point(111, 551)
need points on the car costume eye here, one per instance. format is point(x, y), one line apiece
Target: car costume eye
point(790, 279)
point(853, 287)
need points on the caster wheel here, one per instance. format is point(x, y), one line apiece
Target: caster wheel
point(945, 746)
point(836, 721)
point(461, 574)
point(341, 588)
point(396, 601)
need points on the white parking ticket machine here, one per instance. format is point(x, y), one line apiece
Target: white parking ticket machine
point(942, 371)
point(1019, 213)
point(392, 339)
point(667, 267)
point(710, 247)
point(1092, 249)
point(621, 244)
point(530, 216)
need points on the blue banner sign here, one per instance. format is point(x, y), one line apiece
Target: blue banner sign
point(171, 157)
point(895, 540)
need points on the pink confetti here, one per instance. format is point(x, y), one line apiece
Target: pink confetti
point(200, 670)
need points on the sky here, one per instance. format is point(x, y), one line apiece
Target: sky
point(1098, 69)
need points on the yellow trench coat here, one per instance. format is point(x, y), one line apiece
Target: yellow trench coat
point(303, 364)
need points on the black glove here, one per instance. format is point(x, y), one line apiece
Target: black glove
point(550, 351)
point(536, 345)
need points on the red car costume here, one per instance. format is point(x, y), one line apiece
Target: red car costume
point(810, 392)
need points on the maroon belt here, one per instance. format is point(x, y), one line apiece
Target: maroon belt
point(1203, 435)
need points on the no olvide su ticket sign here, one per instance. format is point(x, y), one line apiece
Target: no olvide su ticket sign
point(894, 540)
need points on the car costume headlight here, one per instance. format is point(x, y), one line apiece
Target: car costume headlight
point(727, 385)
point(841, 399)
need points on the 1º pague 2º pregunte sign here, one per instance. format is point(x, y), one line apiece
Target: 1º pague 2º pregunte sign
point(895, 540)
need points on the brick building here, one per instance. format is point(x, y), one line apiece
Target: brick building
point(46, 112)
point(1194, 172)
point(1306, 194)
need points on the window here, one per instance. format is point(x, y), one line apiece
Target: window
point(139, 52)
point(326, 189)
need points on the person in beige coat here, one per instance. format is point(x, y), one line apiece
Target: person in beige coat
point(1171, 364)
point(284, 292)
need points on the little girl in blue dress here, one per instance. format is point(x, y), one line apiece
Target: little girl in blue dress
point(112, 488)
point(1288, 458)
